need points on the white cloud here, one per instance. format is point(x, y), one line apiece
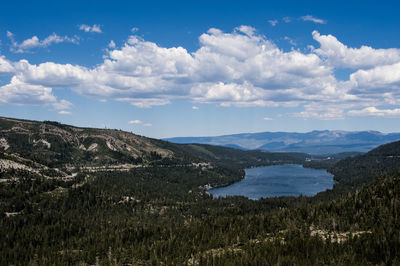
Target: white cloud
point(334, 108)
point(286, 19)
point(240, 68)
point(290, 40)
point(138, 122)
point(273, 22)
point(51, 74)
point(145, 102)
point(378, 80)
point(20, 93)
point(321, 112)
point(339, 55)
point(6, 67)
point(64, 113)
point(248, 30)
point(35, 42)
point(63, 104)
point(373, 111)
point(111, 45)
point(313, 19)
point(267, 118)
point(195, 107)
point(134, 29)
point(87, 28)
point(135, 122)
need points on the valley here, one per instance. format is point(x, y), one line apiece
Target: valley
point(87, 196)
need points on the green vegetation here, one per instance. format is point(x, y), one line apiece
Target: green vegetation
point(352, 173)
point(67, 205)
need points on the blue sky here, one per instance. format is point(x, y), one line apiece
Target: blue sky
point(198, 68)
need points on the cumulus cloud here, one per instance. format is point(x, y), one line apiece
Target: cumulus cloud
point(313, 19)
point(87, 28)
point(35, 42)
point(134, 29)
point(6, 67)
point(20, 93)
point(239, 68)
point(378, 80)
point(337, 54)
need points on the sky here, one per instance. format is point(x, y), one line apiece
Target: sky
point(202, 68)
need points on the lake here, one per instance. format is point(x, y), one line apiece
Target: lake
point(277, 180)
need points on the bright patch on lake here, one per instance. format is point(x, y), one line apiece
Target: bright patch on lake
point(277, 180)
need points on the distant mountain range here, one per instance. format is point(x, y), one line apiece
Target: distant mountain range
point(314, 142)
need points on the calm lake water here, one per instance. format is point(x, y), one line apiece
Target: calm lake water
point(277, 180)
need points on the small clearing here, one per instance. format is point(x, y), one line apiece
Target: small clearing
point(82, 147)
point(8, 164)
point(110, 146)
point(10, 214)
point(336, 237)
point(4, 144)
point(111, 168)
point(93, 147)
point(42, 141)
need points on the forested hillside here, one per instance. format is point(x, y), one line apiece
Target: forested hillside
point(62, 146)
point(360, 170)
point(145, 203)
point(161, 217)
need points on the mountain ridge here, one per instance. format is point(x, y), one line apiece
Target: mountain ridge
point(55, 145)
point(315, 142)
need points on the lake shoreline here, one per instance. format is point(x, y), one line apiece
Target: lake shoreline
point(276, 181)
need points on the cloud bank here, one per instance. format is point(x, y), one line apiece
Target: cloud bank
point(240, 68)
